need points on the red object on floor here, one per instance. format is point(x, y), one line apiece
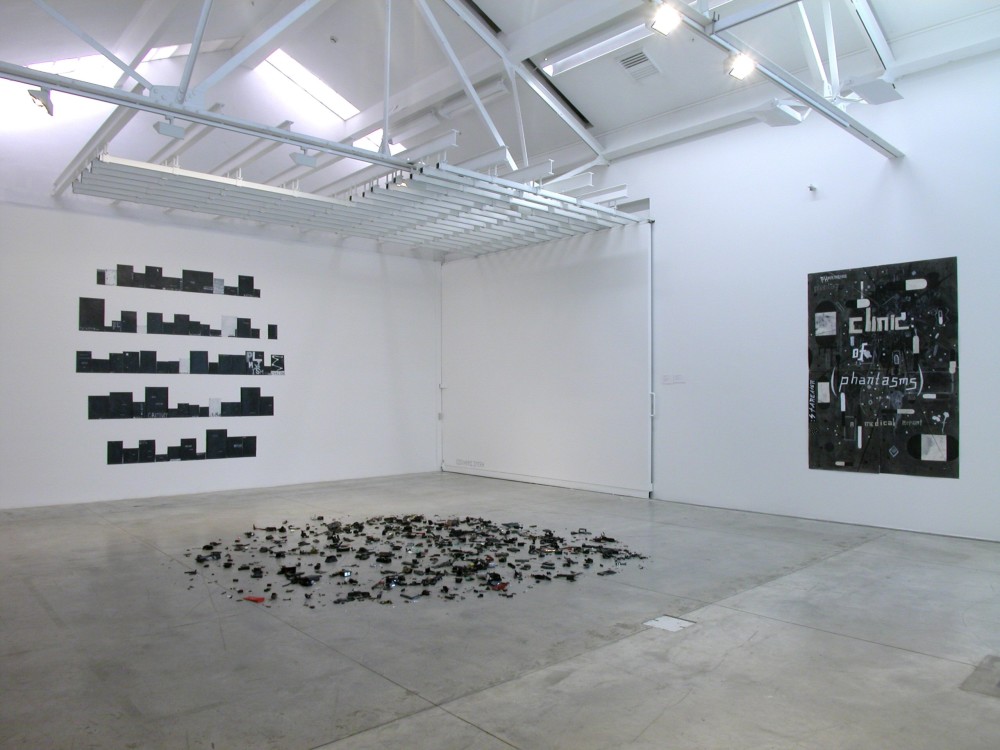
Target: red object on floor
point(255, 599)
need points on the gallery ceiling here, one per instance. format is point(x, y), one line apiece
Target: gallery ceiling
point(242, 121)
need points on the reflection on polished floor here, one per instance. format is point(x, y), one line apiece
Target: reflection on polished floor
point(805, 634)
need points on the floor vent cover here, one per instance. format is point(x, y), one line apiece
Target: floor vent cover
point(666, 622)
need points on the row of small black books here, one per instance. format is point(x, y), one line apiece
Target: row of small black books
point(202, 282)
point(219, 444)
point(92, 319)
point(121, 405)
point(146, 362)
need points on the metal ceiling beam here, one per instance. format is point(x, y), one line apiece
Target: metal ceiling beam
point(111, 127)
point(249, 154)
point(813, 57)
point(566, 22)
point(748, 14)
point(475, 23)
point(253, 47)
point(470, 90)
point(875, 33)
point(700, 24)
point(140, 35)
point(192, 58)
point(128, 70)
point(136, 101)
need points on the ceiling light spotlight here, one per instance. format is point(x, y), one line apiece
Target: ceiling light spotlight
point(167, 128)
point(665, 19)
point(303, 159)
point(739, 66)
point(43, 98)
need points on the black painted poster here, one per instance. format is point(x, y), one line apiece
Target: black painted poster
point(883, 369)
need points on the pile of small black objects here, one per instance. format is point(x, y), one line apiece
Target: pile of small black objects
point(392, 559)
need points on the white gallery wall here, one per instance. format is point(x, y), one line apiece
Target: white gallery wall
point(737, 232)
point(546, 363)
point(359, 332)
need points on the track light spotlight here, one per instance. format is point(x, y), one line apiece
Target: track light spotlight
point(665, 19)
point(303, 159)
point(739, 66)
point(43, 98)
point(167, 128)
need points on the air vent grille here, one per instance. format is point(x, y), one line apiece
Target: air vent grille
point(638, 65)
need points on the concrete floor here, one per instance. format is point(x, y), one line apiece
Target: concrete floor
point(806, 634)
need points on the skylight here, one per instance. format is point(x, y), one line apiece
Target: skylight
point(295, 72)
point(373, 141)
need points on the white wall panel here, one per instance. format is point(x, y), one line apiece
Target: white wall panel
point(546, 363)
point(738, 232)
point(359, 331)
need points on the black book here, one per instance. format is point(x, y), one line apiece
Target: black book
point(83, 361)
point(215, 444)
point(147, 451)
point(147, 362)
point(199, 363)
point(91, 314)
point(125, 275)
point(98, 407)
point(115, 452)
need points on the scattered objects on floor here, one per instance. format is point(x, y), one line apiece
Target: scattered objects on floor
point(401, 559)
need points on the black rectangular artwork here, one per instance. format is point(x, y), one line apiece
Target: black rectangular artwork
point(218, 444)
point(92, 318)
point(248, 363)
point(883, 369)
point(155, 404)
point(201, 282)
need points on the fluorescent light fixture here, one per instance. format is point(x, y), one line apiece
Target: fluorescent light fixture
point(594, 47)
point(167, 128)
point(43, 98)
point(487, 93)
point(740, 66)
point(665, 20)
point(298, 74)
